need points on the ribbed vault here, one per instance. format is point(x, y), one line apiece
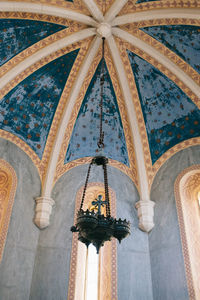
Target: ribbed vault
point(50, 74)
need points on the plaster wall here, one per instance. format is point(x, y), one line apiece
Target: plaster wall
point(167, 265)
point(18, 259)
point(52, 264)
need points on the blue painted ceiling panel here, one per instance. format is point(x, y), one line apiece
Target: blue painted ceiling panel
point(184, 40)
point(27, 111)
point(17, 35)
point(170, 116)
point(141, 1)
point(83, 142)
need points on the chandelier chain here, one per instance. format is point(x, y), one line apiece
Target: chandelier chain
point(106, 191)
point(100, 143)
point(86, 183)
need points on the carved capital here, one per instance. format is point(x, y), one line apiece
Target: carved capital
point(145, 214)
point(43, 211)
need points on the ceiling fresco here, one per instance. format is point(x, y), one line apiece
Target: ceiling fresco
point(27, 111)
point(86, 130)
point(170, 116)
point(184, 40)
point(35, 83)
point(17, 35)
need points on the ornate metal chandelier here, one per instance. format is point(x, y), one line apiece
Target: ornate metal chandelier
point(95, 227)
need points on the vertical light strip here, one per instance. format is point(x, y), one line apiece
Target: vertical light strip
point(92, 274)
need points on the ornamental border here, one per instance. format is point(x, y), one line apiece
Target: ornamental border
point(185, 246)
point(176, 59)
point(72, 28)
point(129, 171)
point(76, 5)
point(3, 234)
point(43, 164)
point(152, 169)
point(131, 7)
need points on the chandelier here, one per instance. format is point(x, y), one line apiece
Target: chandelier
point(95, 227)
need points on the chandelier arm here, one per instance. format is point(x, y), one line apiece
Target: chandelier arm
point(106, 190)
point(86, 183)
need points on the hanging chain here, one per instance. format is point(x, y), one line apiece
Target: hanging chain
point(100, 142)
point(86, 183)
point(106, 190)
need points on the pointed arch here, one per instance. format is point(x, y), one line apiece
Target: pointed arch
point(186, 189)
point(107, 277)
point(8, 185)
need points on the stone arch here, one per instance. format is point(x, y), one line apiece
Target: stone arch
point(8, 185)
point(186, 188)
point(107, 262)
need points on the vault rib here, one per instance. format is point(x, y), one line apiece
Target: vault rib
point(94, 10)
point(115, 9)
point(48, 182)
point(159, 57)
point(143, 182)
point(183, 13)
point(73, 38)
point(47, 10)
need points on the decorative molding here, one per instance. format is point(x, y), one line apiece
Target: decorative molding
point(145, 214)
point(162, 63)
point(72, 28)
point(165, 21)
point(104, 5)
point(66, 115)
point(171, 152)
point(43, 211)
point(22, 145)
point(61, 167)
point(137, 106)
point(42, 165)
point(107, 253)
point(152, 170)
point(8, 185)
point(64, 9)
point(142, 175)
point(114, 9)
point(19, 72)
point(131, 7)
point(177, 60)
point(185, 185)
point(94, 10)
point(157, 15)
point(63, 102)
point(131, 171)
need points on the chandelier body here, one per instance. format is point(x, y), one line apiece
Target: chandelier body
point(95, 227)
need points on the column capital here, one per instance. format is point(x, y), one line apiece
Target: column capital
point(43, 211)
point(145, 210)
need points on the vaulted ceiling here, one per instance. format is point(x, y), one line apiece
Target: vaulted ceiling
point(50, 61)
